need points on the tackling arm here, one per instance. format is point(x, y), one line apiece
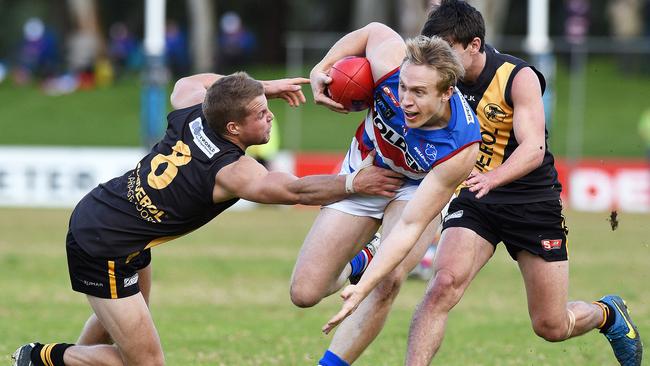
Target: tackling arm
point(248, 179)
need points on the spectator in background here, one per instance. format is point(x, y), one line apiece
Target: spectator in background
point(177, 55)
point(83, 50)
point(37, 53)
point(83, 47)
point(123, 49)
point(236, 43)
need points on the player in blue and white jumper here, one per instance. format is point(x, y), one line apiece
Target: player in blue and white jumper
point(420, 126)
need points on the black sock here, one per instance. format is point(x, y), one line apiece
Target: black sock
point(49, 354)
point(35, 355)
point(611, 316)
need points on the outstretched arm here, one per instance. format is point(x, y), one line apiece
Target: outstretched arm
point(287, 89)
point(382, 46)
point(248, 179)
point(429, 199)
point(191, 90)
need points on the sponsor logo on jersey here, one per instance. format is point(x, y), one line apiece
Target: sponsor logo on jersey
point(384, 110)
point(494, 113)
point(469, 116)
point(486, 149)
point(455, 215)
point(131, 280)
point(551, 244)
point(389, 94)
point(137, 195)
point(201, 139)
point(390, 136)
point(91, 283)
point(431, 151)
point(419, 152)
point(470, 98)
point(427, 153)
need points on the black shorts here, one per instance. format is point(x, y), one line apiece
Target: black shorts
point(108, 278)
point(537, 227)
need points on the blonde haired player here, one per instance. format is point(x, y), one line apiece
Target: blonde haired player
point(419, 126)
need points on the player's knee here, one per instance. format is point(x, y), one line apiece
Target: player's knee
point(549, 329)
point(303, 295)
point(444, 283)
point(444, 291)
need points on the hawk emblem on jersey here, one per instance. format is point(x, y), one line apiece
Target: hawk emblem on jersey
point(431, 152)
point(494, 113)
point(390, 94)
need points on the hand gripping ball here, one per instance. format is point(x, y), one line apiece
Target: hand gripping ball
point(352, 83)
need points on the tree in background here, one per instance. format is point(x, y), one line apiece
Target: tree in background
point(86, 43)
point(203, 35)
point(626, 24)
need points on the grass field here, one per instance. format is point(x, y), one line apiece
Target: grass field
point(220, 294)
point(110, 116)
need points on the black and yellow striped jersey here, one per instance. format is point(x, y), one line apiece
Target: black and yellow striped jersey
point(168, 194)
point(490, 97)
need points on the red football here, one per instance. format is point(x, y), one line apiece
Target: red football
point(352, 84)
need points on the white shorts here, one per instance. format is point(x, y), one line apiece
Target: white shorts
point(372, 206)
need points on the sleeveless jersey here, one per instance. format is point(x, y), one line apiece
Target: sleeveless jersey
point(412, 152)
point(168, 194)
point(490, 98)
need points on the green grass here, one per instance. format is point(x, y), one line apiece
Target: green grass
point(220, 294)
point(108, 117)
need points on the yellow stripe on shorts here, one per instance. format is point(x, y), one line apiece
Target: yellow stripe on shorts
point(111, 279)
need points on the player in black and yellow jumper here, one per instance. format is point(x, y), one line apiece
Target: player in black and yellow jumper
point(512, 196)
point(193, 174)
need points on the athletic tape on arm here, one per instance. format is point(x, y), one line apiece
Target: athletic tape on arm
point(349, 179)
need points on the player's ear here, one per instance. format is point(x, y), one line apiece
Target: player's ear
point(446, 95)
point(475, 45)
point(232, 128)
